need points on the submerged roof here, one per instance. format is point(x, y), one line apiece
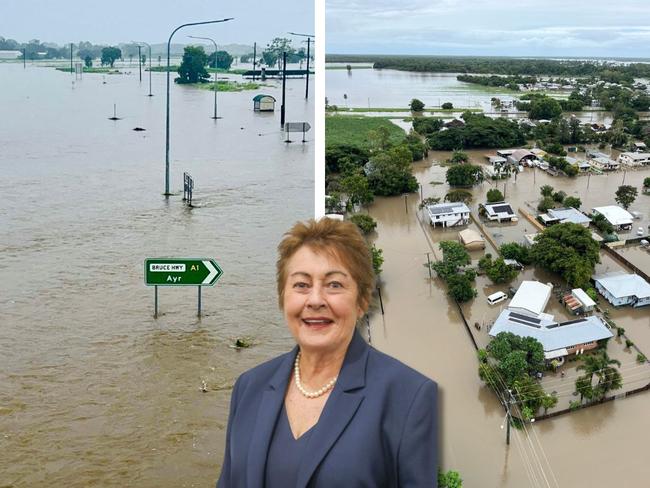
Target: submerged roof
point(470, 235)
point(551, 334)
point(259, 97)
point(624, 285)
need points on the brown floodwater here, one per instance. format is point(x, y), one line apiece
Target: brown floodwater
point(423, 328)
point(93, 391)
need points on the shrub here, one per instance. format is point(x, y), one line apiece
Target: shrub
point(620, 331)
point(546, 190)
point(592, 293)
point(447, 106)
point(545, 204)
point(574, 404)
point(641, 358)
point(628, 343)
point(365, 223)
point(573, 202)
point(377, 259)
point(559, 196)
point(494, 195)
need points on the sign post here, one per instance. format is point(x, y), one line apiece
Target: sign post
point(296, 127)
point(180, 272)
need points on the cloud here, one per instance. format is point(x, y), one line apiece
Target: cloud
point(558, 26)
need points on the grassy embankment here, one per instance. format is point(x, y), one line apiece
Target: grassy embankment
point(174, 69)
point(230, 86)
point(353, 131)
point(405, 109)
point(106, 71)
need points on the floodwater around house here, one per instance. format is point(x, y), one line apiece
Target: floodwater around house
point(423, 328)
point(93, 390)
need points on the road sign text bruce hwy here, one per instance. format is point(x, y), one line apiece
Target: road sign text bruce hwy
point(181, 272)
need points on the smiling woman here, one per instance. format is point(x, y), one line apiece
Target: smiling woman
point(304, 418)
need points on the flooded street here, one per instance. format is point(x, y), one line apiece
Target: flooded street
point(93, 390)
point(423, 328)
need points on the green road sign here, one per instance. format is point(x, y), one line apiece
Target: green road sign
point(181, 272)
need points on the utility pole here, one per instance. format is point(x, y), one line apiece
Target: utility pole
point(254, 58)
point(284, 88)
point(307, 82)
point(140, 61)
point(71, 69)
point(24, 58)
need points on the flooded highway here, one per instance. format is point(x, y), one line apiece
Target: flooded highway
point(93, 390)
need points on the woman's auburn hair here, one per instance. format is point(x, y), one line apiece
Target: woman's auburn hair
point(337, 238)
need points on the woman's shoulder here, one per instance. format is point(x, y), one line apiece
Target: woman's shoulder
point(264, 372)
point(387, 368)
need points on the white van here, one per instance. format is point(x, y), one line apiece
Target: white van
point(496, 297)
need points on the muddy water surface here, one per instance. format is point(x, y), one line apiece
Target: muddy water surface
point(93, 390)
point(424, 329)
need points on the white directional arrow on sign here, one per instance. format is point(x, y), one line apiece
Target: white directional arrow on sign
point(213, 272)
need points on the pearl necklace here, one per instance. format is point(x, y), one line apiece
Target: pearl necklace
point(301, 389)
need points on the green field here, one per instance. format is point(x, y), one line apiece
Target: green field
point(405, 109)
point(352, 130)
point(230, 86)
point(174, 68)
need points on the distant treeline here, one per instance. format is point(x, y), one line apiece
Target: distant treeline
point(511, 82)
point(500, 66)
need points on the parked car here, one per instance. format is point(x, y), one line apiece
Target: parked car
point(496, 298)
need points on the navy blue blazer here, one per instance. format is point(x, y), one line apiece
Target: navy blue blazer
point(379, 427)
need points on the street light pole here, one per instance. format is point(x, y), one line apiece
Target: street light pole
point(140, 61)
point(169, 42)
point(215, 72)
point(309, 41)
point(149, 46)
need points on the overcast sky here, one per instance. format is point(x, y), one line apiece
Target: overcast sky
point(618, 28)
point(152, 21)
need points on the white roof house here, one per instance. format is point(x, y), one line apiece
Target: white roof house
point(448, 214)
point(499, 211)
point(604, 162)
point(623, 289)
point(634, 158)
point(531, 298)
point(570, 215)
point(557, 339)
point(615, 215)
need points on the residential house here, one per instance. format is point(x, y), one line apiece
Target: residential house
point(569, 215)
point(521, 157)
point(471, 240)
point(623, 289)
point(615, 215)
point(634, 158)
point(604, 163)
point(448, 214)
point(499, 211)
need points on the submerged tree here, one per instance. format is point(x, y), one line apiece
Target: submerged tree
point(192, 68)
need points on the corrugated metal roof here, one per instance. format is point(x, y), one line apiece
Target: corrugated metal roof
point(624, 285)
point(531, 296)
point(553, 335)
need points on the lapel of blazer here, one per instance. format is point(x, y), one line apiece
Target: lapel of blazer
point(339, 409)
point(267, 414)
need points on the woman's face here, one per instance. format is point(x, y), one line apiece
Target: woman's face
point(320, 302)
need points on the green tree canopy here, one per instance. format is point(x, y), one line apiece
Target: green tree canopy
point(464, 175)
point(625, 195)
point(192, 68)
point(224, 60)
point(543, 107)
point(416, 105)
point(546, 190)
point(494, 195)
point(568, 250)
point(110, 55)
point(573, 202)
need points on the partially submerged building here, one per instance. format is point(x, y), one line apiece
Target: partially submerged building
point(500, 211)
point(448, 214)
point(525, 317)
point(615, 215)
point(634, 159)
point(564, 215)
point(263, 103)
point(471, 239)
point(604, 163)
point(623, 289)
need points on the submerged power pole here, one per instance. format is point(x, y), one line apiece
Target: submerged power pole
point(284, 87)
point(254, 58)
point(307, 82)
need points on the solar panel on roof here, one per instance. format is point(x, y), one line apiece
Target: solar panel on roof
point(502, 208)
point(525, 317)
point(529, 324)
point(577, 321)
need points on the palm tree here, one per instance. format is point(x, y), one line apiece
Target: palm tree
point(601, 365)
